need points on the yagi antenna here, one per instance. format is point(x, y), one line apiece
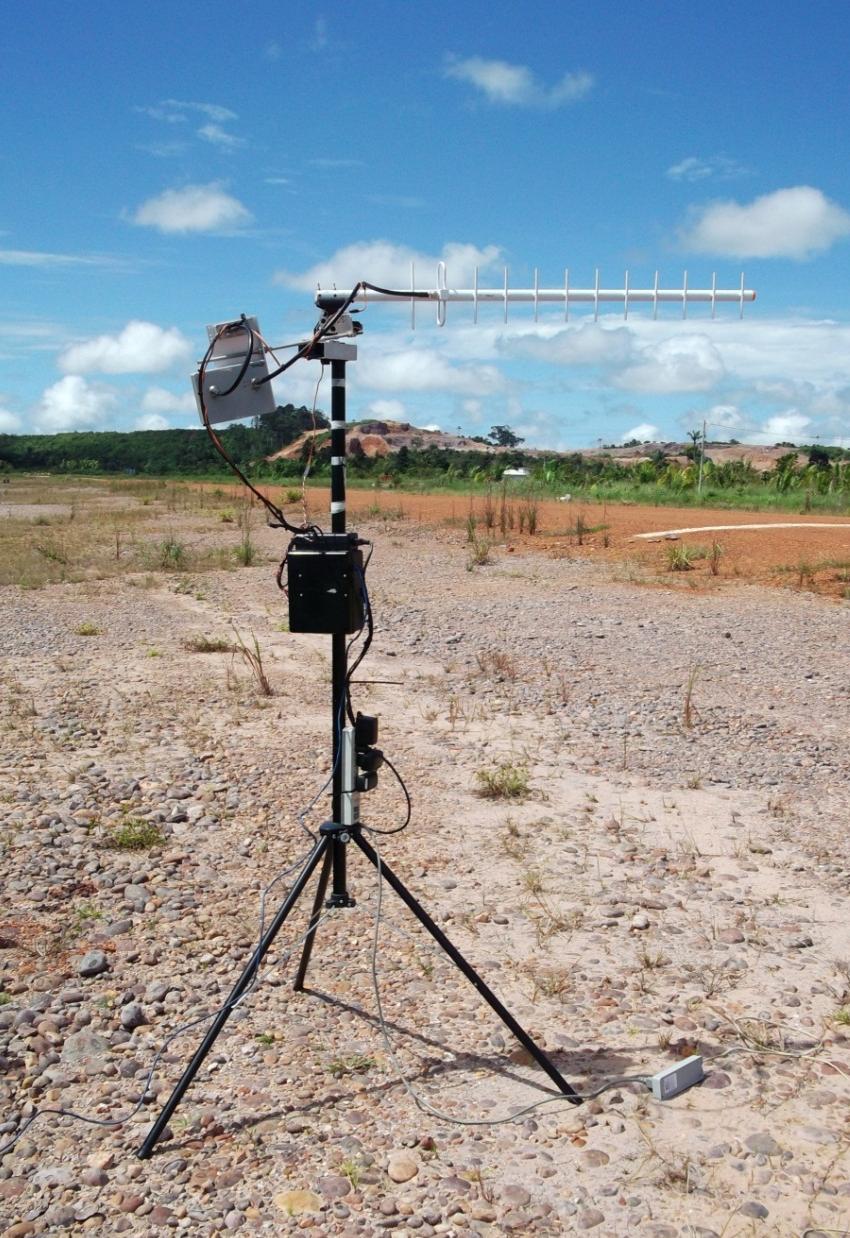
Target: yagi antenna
point(626, 296)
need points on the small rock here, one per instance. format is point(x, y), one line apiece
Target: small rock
point(589, 1218)
point(753, 1209)
point(93, 963)
point(402, 1166)
point(639, 921)
point(592, 1158)
point(800, 943)
point(333, 1186)
point(293, 1203)
point(764, 1143)
point(717, 1079)
point(94, 1177)
point(132, 1016)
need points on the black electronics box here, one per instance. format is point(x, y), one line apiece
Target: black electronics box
point(325, 583)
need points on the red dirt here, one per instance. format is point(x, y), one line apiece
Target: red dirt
point(809, 558)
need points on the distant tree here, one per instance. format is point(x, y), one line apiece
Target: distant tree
point(819, 458)
point(503, 436)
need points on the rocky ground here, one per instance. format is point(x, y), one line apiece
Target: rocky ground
point(662, 869)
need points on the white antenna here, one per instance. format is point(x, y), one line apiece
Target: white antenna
point(626, 296)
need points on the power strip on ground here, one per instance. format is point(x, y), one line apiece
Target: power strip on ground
point(676, 1079)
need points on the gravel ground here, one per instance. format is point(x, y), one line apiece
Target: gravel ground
point(674, 880)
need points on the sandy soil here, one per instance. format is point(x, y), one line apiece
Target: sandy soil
point(670, 877)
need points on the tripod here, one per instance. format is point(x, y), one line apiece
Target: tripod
point(350, 747)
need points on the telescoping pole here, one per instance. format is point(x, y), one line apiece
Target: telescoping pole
point(339, 896)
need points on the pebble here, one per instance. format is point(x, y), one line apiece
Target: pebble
point(402, 1166)
point(93, 963)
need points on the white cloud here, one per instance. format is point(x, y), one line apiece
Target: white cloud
point(150, 421)
point(219, 137)
point(644, 433)
point(195, 208)
point(141, 348)
point(9, 423)
point(693, 168)
point(40, 258)
point(160, 400)
point(788, 427)
point(722, 417)
point(790, 223)
point(73, 404)
point(516, 84)
point(177, 111)
point(392, 410)
point(586, 343)
point(680, 363)
point(420, 369)
point(382, 262)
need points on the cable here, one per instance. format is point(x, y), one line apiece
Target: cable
point(423, 1104)
point(186, 1027)
point(227, 329)
point(312, 445)
point(398, 829)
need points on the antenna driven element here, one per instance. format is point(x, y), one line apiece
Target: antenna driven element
point(566, 295)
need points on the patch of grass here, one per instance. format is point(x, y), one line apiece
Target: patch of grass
point(87, 629)
point(689, 710)
point(353, 1171)
point(842, 1016)
point(265, 1038)
point(208, 644)
point(172, 554)
point(252, 656)
point(479, 553)
point(353, 1064)
point(681, 558)
point(5, 999)
point(134, 834)
point(506, 781)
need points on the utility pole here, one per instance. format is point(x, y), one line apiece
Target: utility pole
point(701, 460)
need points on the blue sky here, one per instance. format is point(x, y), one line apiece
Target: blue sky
point(166, 166)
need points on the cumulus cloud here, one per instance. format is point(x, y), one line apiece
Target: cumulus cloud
point(150, 421)
point(790, 223)
point(723, 417)
point(392, 410)
point(788, 427)
point(73, 404)
point(387, 264)
point(587, 343)
point(680, 363)
point(141, 348)
point(644, 433)
point(161, 400)
point(420, 369)
point(516, 84)
point(9, 423)
point(194, 208)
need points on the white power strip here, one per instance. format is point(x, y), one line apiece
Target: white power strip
point(675, 1079)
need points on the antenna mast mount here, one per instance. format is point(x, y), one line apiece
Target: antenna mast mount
point(566, 295)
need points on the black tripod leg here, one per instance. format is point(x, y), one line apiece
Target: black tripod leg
point(239, 988)
point(472, 976)
point(314, 920)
